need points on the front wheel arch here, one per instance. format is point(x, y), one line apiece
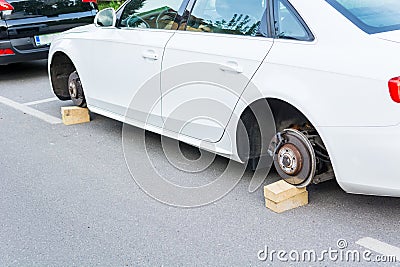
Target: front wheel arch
point(61, 67)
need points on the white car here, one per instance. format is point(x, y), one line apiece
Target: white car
point(323, 74)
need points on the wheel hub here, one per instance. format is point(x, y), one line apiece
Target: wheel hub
point(72, 89)
point(75, 90)
point(294, 158)
point(289, 159)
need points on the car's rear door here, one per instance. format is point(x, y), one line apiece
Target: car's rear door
point(209, 62)
point(31, 21)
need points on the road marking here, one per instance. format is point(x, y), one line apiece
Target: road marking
point(379, 247)
point(33, 112)
point(41, 101)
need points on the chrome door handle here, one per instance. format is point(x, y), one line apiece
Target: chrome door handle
point(231, 66)
point(150, 55)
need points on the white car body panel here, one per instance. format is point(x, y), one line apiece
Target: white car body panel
point(393, 36)
point(338, 81)
point(228, 62)
point(130, 57)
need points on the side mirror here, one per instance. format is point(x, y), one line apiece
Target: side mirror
point(106, 18)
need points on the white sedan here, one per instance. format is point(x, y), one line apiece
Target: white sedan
point(314, 85)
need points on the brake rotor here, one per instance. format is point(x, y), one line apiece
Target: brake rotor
point(289, 159)
point(75, 90)
point(295, 159)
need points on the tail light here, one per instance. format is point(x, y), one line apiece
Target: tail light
point(88, 1)
point(4, 6)
point(394, 89)
point(6, 52)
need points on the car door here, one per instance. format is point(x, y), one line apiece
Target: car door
point(209, 62)
point(127, 60)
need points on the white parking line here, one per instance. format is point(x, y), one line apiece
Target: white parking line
point(379, 247)
point(41, 101)
point(33, 112)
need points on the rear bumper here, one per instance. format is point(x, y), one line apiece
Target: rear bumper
point(365, 159)
point(18, 33)
point(22, 56)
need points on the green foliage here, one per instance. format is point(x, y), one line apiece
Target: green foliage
point(112, 4)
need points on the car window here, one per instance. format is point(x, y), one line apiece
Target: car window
point(154, 14)
point(37, 8)
point(240, 17)
point(371, 16)
point(287, 24)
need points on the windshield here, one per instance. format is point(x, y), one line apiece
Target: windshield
point(371, 16)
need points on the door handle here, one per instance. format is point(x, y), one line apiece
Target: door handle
point(150, 55)
point(231, 66)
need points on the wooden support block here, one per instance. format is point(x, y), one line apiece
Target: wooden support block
point(288, 204)
point(281, 196)
point(281, 190)
point(74, 115)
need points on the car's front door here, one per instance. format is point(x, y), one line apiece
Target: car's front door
point(209, 62)
point(128, 60)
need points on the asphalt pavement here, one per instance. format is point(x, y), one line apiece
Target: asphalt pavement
point(67, 198)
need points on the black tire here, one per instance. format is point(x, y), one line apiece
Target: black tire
point(75, 90)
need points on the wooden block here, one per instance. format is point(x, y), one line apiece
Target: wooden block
point(288, 204)
point(74, 115)
point(281, 190)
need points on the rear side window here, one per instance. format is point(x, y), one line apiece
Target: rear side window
point(288, 24)
point(38, 8)
point(240, 17)
point(371, 16)
point(153, 14)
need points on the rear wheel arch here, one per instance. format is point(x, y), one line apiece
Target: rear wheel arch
point(285, 116)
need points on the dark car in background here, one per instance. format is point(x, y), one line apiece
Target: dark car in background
point(27, 27)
